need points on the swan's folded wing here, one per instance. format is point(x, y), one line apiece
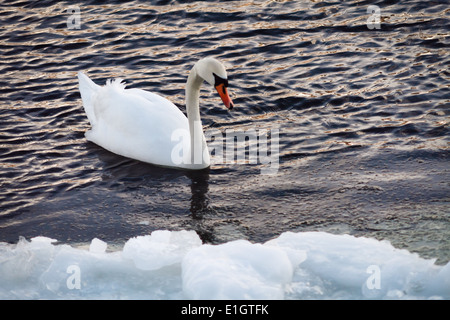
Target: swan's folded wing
point(158, 101)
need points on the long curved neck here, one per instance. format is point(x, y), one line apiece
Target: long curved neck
point(192, 96)
point(193, 113)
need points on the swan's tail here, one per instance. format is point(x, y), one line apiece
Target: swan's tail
point(88, 90)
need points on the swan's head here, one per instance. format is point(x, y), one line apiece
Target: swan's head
point(213, 72)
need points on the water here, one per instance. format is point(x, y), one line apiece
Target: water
point(362, 115)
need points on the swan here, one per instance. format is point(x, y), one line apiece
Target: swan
point(144, 126)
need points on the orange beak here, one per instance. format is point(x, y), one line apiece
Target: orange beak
point(223, 92)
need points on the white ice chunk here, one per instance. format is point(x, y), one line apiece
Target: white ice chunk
point(161, 248)
point(344, 266)
point(236, 270)
point(97, 246)
point(40, 239)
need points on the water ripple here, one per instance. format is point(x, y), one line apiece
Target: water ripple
point(340, 93)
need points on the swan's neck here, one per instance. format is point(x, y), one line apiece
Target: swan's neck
point(192, 96)
point(193, 113)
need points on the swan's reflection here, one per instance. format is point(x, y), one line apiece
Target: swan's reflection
point(135, 174)
point(199, 191)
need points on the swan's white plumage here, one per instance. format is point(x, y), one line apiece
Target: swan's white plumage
point(132, 122)
point(145, 126)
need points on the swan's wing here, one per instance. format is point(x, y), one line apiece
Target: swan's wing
point(158, 102)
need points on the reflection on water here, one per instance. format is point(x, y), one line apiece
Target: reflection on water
point(199, 189)
point(362, 116)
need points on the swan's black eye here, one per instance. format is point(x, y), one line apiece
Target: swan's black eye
point(218, 81)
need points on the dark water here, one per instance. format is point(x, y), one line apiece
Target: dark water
point(363, 118)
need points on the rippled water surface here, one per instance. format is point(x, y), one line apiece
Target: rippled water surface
point(362, 114)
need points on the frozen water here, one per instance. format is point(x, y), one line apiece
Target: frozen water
point(343, 266)
point(98, 246)
point(159, 249)
point(237, 270)
point(176, 265)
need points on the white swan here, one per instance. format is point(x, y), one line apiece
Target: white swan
point(145, 126)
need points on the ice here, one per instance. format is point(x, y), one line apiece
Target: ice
point(161, 248)
point(236, 270)
point(347, 267)
point(97, 246)
point(176, 265)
